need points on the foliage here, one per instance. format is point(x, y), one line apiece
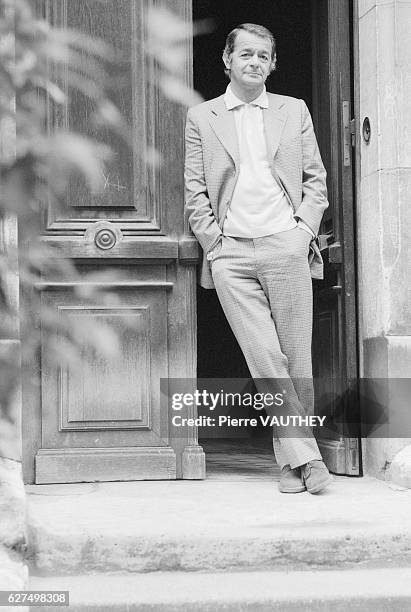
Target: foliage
point(35, 167)
point(167, 36)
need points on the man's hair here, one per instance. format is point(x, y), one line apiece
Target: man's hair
point(252, 28)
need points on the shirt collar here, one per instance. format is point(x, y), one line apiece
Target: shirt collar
point(231, 100)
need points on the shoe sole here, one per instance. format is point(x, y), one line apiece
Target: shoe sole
point(320, 486)
point(300, 489)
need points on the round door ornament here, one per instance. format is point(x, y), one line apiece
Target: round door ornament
point(105, 239)
point(366, 130)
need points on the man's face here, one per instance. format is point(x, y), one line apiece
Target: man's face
point(250, 63)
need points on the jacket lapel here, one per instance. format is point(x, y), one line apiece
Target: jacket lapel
point(275, 117)
point(223, 123)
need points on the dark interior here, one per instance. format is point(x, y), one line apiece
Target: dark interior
point(218, 352)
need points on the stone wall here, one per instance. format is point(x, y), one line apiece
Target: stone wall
point(384, 211)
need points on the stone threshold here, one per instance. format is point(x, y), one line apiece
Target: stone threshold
point(233, 523)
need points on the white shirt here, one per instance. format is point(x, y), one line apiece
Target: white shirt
point(259, 206)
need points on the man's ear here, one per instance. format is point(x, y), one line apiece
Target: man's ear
point(273, 63)
point(227, 60)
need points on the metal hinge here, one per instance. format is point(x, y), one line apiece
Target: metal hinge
point(353, 131)
point(349, 132)
point(352, 457)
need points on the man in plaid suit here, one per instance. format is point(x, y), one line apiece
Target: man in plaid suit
point(255, 195)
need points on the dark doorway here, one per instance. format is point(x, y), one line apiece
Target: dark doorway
point(218, 352)
point(219, 355)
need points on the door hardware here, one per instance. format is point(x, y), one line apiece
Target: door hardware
point(348, 132)
point(366, 130)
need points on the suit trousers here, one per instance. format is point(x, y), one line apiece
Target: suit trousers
point(265, 289)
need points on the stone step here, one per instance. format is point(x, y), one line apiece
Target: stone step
point(213, 526)
point(376, 590)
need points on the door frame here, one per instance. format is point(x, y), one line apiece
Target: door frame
point(357, 192)
point(343, 455)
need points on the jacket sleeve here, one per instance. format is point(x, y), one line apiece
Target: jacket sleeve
point(197, 204)
point(314, 185)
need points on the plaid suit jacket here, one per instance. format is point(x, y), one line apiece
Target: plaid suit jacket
point(212, 167)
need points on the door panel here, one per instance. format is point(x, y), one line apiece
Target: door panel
point(104, 418)
point(130, 193)
point(334, 334)
point(115, 396)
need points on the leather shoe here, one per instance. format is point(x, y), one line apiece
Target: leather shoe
point(290, 480)
point(315, 476)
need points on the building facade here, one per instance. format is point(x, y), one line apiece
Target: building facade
point(112, 421)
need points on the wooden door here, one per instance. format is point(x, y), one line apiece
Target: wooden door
point(334, 336)
point(105, 419)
